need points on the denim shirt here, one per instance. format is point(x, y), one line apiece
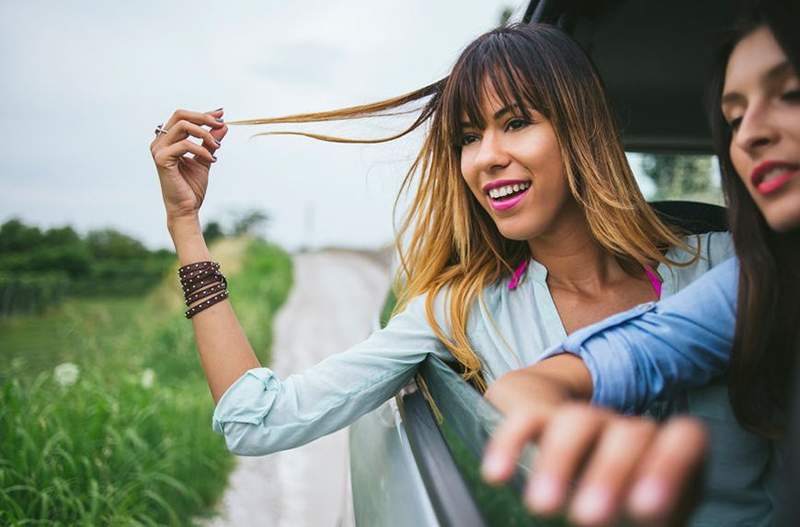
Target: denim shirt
point(678, 349)
point(658, 348)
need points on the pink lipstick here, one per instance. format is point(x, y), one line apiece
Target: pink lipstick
point(505, 194)
point(770, 176)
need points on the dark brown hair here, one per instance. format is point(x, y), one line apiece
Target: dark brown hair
point(767, 339)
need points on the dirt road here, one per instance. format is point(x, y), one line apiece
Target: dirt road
point(333, 303)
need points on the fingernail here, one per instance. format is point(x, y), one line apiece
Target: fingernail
point(545, 494)
point(216, 141)
point(220, 119)
point(648, 496)
point(591, 505)
point(218, 109)
point(213, 159)
point(493, 466)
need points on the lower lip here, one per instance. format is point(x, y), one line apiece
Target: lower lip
point(768, 187)
point(507, 204)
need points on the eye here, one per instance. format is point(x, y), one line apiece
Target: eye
point(467, 139)
point(517, 123)
point(734, 123)
point(791, 96)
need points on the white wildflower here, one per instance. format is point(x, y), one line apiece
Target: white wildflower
point(148, 378)
point(66, 373)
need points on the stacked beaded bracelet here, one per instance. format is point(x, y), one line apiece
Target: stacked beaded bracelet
point(195, 279)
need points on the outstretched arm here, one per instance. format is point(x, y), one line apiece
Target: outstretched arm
point(624, 362)
point(654, 349)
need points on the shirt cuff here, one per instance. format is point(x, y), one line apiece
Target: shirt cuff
point(248, 400)
point(611, 367)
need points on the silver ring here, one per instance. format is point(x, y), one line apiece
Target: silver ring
point(161, 130)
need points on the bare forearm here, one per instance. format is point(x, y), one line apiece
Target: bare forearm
point(553, 381)
point(225, 352)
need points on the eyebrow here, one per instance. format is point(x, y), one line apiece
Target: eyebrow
point(499, 113)
point(774, 74)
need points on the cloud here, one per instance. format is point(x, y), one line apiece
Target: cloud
point(304, 63)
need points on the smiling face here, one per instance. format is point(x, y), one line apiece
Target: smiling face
point(761, 103)
point(513, 166)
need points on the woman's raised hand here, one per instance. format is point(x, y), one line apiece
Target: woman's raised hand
point(182, 163)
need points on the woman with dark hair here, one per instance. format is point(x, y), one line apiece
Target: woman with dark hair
point(742, 318)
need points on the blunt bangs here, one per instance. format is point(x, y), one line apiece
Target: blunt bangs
point(505, 63)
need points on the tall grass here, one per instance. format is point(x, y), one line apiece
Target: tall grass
point(129, 442)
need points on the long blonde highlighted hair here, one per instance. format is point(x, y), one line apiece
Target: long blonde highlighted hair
point(446, 241)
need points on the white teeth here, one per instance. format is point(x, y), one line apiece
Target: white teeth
point(499, 192)
point(775, 172)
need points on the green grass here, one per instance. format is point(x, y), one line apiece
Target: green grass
point(109, 449)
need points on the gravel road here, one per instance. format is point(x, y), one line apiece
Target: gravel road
point(332, 306)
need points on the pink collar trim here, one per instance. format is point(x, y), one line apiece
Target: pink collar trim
point(655, 281)
point(518, 272)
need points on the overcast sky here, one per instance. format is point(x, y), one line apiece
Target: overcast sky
point(85, 82)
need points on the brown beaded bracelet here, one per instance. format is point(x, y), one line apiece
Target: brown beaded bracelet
point(188, 272)
point(191, 276)
point(192, 267)
point(194, 279)
point(204, 281)
point(192, 311)
point(203, 293)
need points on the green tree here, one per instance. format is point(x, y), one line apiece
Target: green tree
point(505, 15)
point(15, 236)
point(61, 236)
point(249, 221)
point(109, 244)
point(213, 231)
point(681, 177)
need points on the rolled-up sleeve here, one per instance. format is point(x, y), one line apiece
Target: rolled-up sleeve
point(654, 349)
point(260, 413)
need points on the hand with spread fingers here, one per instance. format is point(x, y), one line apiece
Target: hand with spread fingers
point(182, 163)
point(590, 462)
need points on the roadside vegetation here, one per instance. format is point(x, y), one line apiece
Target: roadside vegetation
point(105, 415)
point(41, 268)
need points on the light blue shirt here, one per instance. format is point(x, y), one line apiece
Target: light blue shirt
point(657, 351)
point(508, 329)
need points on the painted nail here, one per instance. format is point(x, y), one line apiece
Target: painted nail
point(213, 159)
point(216, 142)
point(218, 109)
point(545, 494)
point(220, 120)
point(648, 496)
point(591, 505)
point(493, 466)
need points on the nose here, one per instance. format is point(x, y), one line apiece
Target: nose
point(756, 130)
point(492, 154)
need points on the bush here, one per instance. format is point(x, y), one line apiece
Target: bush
point(30, 294)
point(123, 436)
point(104, 262)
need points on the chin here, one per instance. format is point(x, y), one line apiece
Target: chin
point(785, 224)
point(784, 218)
point(519, 233)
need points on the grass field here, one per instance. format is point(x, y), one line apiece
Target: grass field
point(122, 435)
